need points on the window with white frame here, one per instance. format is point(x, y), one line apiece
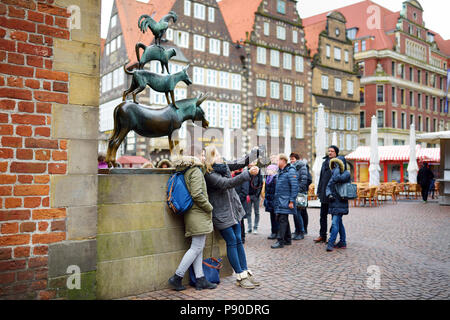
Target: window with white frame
point(274, 90)
point(327, 119)
point(211, 78)
point(261, 124)
point(287, 124)
point(180, 93)
point(287, 61)
point(337, 54)
point(274, 58)
point(108, 49)
point(363, 45)
point(294, 36)
point(346, 55)
point(211, 113)
point(261, 55)
point(224, 79)
point(341, 122)
point(328, 50)
point(226, 49)
point(337, 85)
point(299, 63)
point(157, 97)
point(261, 88)
point(236, 116)
point(299, 134)
point(113, 21)
point(266, 28)
point(299, 94)
point(223, 113)
point(182, 39)
point(199, 42)
point(281, 33)
point(349, 87)
point(199, 11)
point(113, 45)
point(348, 142)
point(235, 81)
point(187, 7)
point(109, 81)
point(199, 75)
point(354, 142)
point(333, 124)
point(324, 82)
point(356, 47)
point(214, 46)
point(169, 34)
point(211, 14)
point(355, 123)
point(287, 92)
point(349, 123)
point(274, 125)
point(341, 139)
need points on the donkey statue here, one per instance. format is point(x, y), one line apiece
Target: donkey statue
point(152, 123)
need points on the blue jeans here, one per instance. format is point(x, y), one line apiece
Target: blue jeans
point(298, 222)
point(235, 249)
point(337, 227)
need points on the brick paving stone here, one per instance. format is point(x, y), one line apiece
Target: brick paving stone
point(408, 241)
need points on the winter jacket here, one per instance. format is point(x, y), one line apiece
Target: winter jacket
point(302, 174)
point(286, 190)
point(425, 176)
point(325, 175)
point(270, 194)
point(227, 207)
point(242, 189)
point(256, 184)
point(338, 175)
point(198, 219)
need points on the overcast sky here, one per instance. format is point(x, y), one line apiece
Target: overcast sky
point(436, 12)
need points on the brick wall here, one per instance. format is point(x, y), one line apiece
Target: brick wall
point(31, 154)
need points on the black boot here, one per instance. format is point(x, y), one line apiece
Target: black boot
point(202, 283)
point(175, 282)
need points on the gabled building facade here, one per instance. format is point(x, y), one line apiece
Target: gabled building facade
point(335, 84)
point(277, 73)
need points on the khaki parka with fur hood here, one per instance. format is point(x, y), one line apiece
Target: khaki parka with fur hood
point(198, 219)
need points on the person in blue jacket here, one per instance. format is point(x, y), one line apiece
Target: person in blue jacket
point(286, 191)
point(337, 206)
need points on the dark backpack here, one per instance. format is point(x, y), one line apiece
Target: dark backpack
point(178, 197)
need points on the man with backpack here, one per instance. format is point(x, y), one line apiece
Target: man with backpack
point(304, 180)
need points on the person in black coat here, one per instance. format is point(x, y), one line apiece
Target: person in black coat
point(254, 193)
point(242, 191)
point(302, 174)
point(325, 175)
point(424, 178)
point(269, 197)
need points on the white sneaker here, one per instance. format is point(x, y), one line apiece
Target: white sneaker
point(255, 231)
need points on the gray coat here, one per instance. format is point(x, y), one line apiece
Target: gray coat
point(227, 207)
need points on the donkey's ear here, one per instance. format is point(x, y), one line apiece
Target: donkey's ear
point(187, 67)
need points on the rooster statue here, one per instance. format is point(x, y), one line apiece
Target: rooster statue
point(158, 28)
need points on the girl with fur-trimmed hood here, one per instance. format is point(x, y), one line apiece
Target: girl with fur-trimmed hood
point(197, 222)
point(337, 206)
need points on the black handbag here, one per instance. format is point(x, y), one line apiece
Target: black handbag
point(346, 191)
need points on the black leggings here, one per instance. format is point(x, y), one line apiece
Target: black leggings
point(425, 190)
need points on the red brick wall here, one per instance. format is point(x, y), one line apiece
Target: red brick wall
point(28, 154)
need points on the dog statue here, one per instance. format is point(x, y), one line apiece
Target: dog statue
point(154, 53)
point(160, 83)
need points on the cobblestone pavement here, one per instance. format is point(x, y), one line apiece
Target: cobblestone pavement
point(409, 243)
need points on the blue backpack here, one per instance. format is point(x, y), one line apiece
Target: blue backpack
point(178, 197)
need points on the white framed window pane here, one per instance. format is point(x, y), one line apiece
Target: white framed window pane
point(274, 90)
point(109, 81)
point(346, 55)
point(182, 39)
point(337, 53)
point(210, 14)
point(354, 142)
point(355, 123)
point(187, 7)
point(199, 77)
point(261, 55)
point(299, 127)
point(299, 94)
point(274, 125)
point(348, 142)
point(294, 36)
point(327, 119)
point(113, 21)
point(199, 11)
point(169, 34)
point(236, 116)
point(325, 82)
point(223, 113)
point(281, 32)
point(211, 79)
point(274, 58)
point(113, 45)
point(298, 63)
point(224, 79)
point(108, 49)
point(261, 88)
point(287, 61)
point(214, 46)
point(349, 123)
point(236, 81)
point(350, 87)
point(226, 49)
point(119, 41)
point(199, 43)
point(337, 85)
point(266, 29)
point(333, 121)
point(180, 93)
point(341, 122)
point(103, 84)
point(115, 77)
point(261, 124)
point(211, 113)
point(328, 51)
point(287, 92)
